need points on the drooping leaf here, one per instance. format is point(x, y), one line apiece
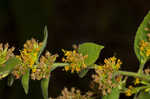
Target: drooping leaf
point(115, 93)
point(144, 95)
point(92, 50)
point(25, 81)
point(83, 73)
point(44, 43)
point(6, 68)
point(44, 86)
point(141, 34)
point(10, 80)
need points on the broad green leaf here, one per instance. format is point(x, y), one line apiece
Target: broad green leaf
point(115, 93)
point(44, 86)
point(144, 95)
point(141, 34)
point(8, 66)
point(44, 43)
point(10, 80)
point(83, 73)
point(55, 65)
point(25, 81)
point(92, 50)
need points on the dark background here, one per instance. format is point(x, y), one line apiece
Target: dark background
point(112, 23)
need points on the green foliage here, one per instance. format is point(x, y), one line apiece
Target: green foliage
point(92, 50)
point(25, 81)
point(141, 34)
point(115, 93)
point(10, 80)
point(9, 65)
point(44, 42)
point(144, 95)
point(40, 67)
point(83, 73)
point(44, 87)
point(6, 68)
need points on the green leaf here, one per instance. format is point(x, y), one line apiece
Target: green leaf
point(55, 65)
point(9, 65)
point(83, 73)
point(6, 68)
point(44, 86)
point(92, 50)
point(10, 80)
point(115, 93)
point(141, 34)
point(44, 43)
point(144, 95)
point(25, 81)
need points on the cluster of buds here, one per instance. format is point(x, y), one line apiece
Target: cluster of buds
point(145, 45)
point(42, 69)
point(29, 56)
point(73, 94)
point(5, 53)
point(76, 61)
point(144, 48)
point(104, 79)
point(130, 91)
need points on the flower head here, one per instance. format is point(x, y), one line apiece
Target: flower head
point(28, 56)
point(42, 70)
point(104, 77)
point(76, 61)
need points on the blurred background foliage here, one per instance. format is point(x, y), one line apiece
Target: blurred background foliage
point(112, 23)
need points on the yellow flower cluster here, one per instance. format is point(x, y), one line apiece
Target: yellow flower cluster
point(137, 81)
point(113, 62)
point(104, 75)
point(129, 91)
point(144, 48)
point(76, 61)
point(42, 70)
point(28, 57)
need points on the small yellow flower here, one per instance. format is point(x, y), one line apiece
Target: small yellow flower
point(128, 92)
point(148, 52)
point(77, 69)
point(34, 70)
point(66, 68)
point(137, 81)
point(99, 67)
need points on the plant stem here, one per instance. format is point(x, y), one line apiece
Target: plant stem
point(134, 75)
point(140, 71)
